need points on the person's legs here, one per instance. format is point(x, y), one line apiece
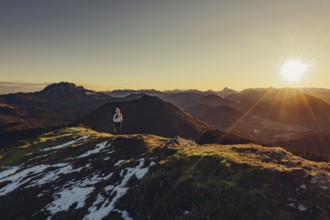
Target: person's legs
point(119, 128)
point(116, 128)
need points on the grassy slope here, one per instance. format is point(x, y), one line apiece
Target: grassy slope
point(230, 182)
point(201, 182)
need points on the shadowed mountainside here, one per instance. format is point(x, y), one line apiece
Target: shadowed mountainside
point(23, 115)
point(300, 109)
point(18, 123)
point(146, 115)
point(185, 100)
point(222, 116)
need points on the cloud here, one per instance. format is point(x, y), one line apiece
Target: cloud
point(12, 87)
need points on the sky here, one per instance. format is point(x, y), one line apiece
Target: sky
point(164, 45)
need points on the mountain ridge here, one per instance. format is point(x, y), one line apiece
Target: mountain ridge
point(149, 115)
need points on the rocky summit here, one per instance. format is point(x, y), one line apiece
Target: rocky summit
point(76, 173)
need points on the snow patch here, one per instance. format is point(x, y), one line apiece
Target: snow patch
point(119, 162)
point(124, 214)
point(76, 192)
point(9, 171)
point(18, 179)
point(55, 174)
point(102, 207)
point(66, 198)
point(302, 208)
point(99, 147)
point(33, 175)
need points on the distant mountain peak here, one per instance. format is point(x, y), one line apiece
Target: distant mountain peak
point(227, 90)
point(64, 86)
point(69, 92)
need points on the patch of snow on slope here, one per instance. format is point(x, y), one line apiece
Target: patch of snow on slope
point(18, 179)
point(120, 162)
point(9, 171)
point(33, 175)
point(73, 193)
point(94, 180)
point(124, 214)
point(99, 147)
point(67, 197)
point(102, 207)
point(66, 144)
point(55, 174)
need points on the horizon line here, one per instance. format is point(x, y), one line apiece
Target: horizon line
point(27, 87)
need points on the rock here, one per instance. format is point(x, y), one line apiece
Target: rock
point(181, 141)
point(301, 189)
point(302, 208)
point(314, 180)
point(320, 178)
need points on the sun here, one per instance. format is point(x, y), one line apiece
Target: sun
point(293, 70)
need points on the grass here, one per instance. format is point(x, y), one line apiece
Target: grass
point(223, 182)
point(17, 154)
point(20, 153)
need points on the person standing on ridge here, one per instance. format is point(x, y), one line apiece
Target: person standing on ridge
point(117, 119)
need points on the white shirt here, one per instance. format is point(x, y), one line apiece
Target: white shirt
point(118, 117)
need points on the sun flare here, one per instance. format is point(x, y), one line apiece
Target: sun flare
point(293, 70)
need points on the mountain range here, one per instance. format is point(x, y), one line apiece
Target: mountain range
point(269, 116)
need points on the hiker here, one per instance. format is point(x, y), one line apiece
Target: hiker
point(117, 119)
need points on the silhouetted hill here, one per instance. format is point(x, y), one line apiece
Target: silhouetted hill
point(69, 93)
point(226, 92)
point(213, 100)
point(221, 116)
point(18, 123)
point(146, 115)
point(248, 97)
point(24, 99)
point(185, 100)
point(58, 95)
point(260, 94)
point(320, 93)
point(126, 92)
point(199, 110)
point(302, 109)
